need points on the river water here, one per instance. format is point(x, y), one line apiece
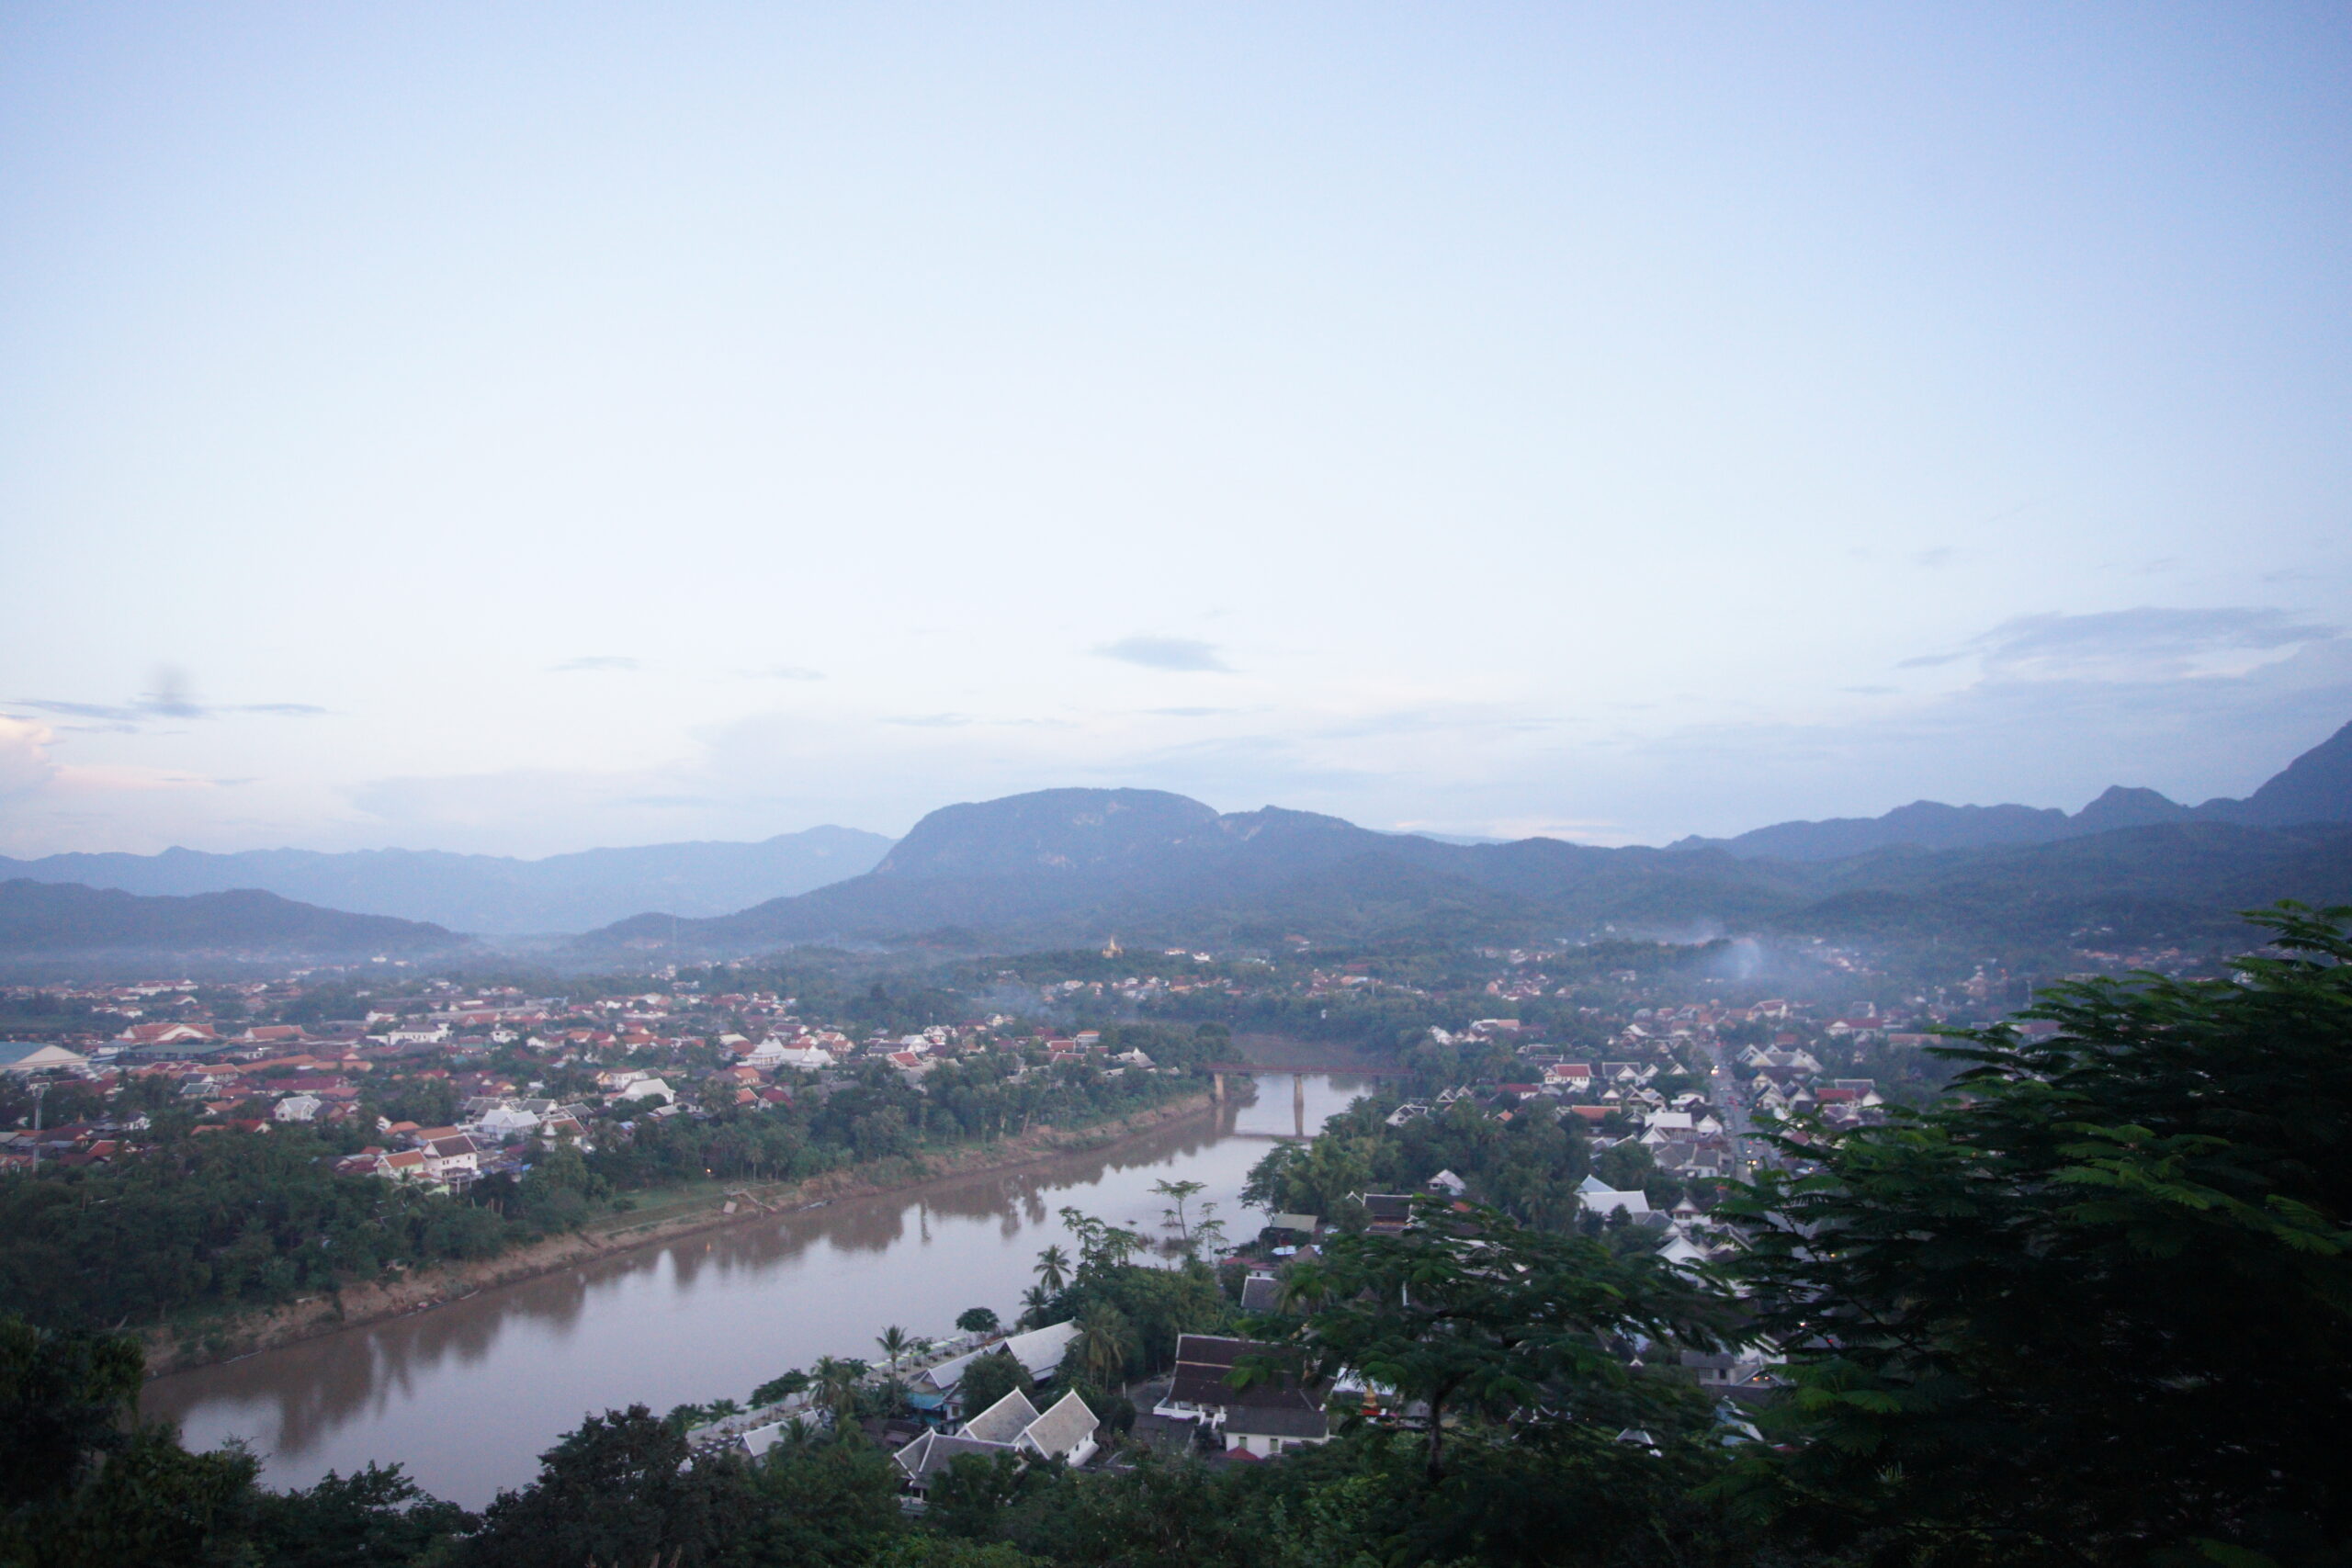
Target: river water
point(467, 1395)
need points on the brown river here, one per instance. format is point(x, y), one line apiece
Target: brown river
point(467, 1396)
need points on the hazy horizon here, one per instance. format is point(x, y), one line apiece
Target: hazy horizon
point(534, 430)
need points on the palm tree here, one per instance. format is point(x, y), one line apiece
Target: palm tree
point(1182, 1191)
point(895, 1343)
point(1034, 1303)
point(837, 1381)
point(1104, 1337)
point(1053, 1269)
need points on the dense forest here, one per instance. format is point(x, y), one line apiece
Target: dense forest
point(2091, 1309)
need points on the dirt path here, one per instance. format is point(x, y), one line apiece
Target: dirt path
point(179, 1346)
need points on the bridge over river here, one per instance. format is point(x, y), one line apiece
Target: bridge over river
point(1298, 1074)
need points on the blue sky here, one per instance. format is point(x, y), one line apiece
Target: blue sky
point(523, 428)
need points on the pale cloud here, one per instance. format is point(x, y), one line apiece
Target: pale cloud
point(2146, 643)
point(1177, 653)
point(594, 663)
point(24, 764)
point(173, 702)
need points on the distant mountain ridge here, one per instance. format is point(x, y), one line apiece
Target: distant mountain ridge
point(492, 894)
point(1062, 867)
point(53, 920)
point(1065, 866)
point(2316, 787)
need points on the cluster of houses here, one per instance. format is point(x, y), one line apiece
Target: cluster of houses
point(1686, 1136)
point(1268, 1416)
point(500, 1135)
point(254, 1076)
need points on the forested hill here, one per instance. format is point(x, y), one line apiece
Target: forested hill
point(2316, 787)
point(1064, 866)
point(494, 894)
point(56, 921)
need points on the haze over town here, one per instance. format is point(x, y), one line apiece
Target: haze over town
point(531, 431)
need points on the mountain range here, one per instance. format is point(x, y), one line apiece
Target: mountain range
point(1080, 864)
point(492, 894)
point(2314, 787)
point(1066, 866)
point(54, 920)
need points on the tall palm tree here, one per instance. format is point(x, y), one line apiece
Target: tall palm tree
point(836, 1380)
point(1104, 1339)
point(1053, 1269)
point(895, 1343)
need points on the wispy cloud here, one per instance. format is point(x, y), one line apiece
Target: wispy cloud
point(594, 662)
point(1179, 653)
point(786, 672)
point(167, 704)
point(2148, 643)
point(119, 714)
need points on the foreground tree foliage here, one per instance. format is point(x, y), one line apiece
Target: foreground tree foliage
point(2091, 1309)
point(1471, 1318)
point(2097, 1306)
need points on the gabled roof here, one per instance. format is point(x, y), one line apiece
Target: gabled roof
point(1060, 1431)
point(1003, 1421)
point(31, 1054)
point(1261, 1293)
point(1299, 1420)
point(1202, 1362)
point(1040, 1350)
point(933, 1452)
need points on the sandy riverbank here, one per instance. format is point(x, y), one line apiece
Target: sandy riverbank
point(181, 1345)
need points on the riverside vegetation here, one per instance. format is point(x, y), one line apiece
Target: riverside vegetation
point(2090, 1307)
point(237, 1220)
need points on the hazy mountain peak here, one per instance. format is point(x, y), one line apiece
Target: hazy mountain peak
point(1063, 831)
point(2314, 787)
point(495, 894)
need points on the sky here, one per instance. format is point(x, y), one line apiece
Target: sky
point(524, 428)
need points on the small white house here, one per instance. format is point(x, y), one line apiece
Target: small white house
point(504, 1121)
point(298, 1108)
point(1600, 1198)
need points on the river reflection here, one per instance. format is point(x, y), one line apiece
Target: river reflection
point(467, 1395)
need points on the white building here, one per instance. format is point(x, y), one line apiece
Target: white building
point(31, 1056)
point(1600, 1198)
